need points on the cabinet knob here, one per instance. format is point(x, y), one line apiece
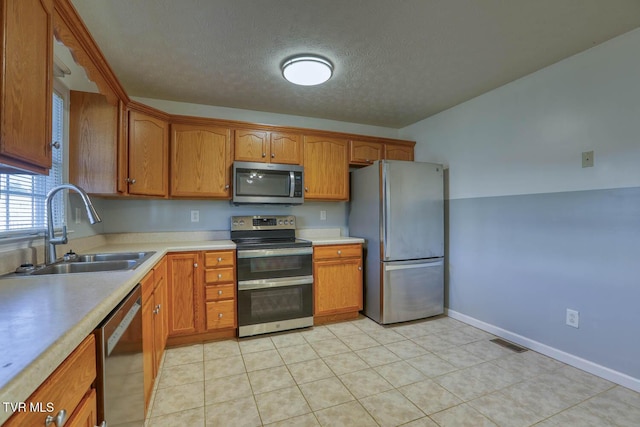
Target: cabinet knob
point(273, 155)
point(220, 259)
point(306, 188)
point(264, 154)
point(219, 315)
point(58, 420)
point(219, 292)
point(219, 275)
point(339, 252)
point(195, 265)
point(226, 187)
point(360, 267)
point(131, 180)
point(56, 145)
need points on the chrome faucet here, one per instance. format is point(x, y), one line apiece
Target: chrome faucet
point(50, 239)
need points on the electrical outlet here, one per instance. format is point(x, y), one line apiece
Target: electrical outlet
point(195, 216)
point(573, 318)
point(587, 159)
point(323, 215)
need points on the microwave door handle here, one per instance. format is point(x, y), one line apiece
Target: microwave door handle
point(292, 183)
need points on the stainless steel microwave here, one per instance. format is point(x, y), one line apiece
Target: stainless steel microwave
point(268, 183)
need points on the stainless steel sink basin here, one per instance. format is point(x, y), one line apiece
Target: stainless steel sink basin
point(92, 263)
point(85, 267)
point(116, 256)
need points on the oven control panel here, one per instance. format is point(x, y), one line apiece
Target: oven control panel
point(259, 222)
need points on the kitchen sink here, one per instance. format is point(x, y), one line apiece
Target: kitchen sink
point(116, 256)
point(85, 267)
point(90, 263)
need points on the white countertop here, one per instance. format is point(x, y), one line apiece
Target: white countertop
point(43, 318)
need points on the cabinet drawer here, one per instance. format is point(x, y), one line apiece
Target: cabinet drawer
point(219, 259)
point(220, 275)
point(337, 251)
point(220, 292)
point(64, 389)
point(221, 314)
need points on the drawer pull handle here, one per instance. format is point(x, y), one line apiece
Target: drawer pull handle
point(58, 420)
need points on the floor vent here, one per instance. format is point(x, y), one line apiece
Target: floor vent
point(511, 346)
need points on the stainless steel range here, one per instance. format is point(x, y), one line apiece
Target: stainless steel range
point(275, 275)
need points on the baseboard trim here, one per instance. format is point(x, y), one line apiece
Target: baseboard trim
point(570, 359)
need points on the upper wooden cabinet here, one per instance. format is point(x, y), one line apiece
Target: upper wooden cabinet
point(251, 145)
point(200, 161)
point(398, 152)
point(148, 150)
point(326, 168)
point(365, 152)
point(93, 143)
point(26, 90)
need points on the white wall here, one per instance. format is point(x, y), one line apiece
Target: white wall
point(528, 136)
point(529, 232)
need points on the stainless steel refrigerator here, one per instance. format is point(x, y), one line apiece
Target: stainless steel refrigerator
point(398, 208)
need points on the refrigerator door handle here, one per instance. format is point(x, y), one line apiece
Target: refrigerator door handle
point(386, 207)
point(410, 266)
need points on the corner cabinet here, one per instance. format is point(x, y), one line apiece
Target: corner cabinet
point(200, 161)
point(254, 145)
point(26, 79)
point(326, 168)
point(337, 278)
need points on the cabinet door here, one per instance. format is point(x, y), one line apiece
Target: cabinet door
point(326, 168)
point(200, 161)
point(160, 325)
point(86, 414)
point(26, 40)
point(186, 312)
point(147, 346)
point(337, 286)
point(93, 143)
point(251, 145)
point(365, 153)
point(286, 148)
point(148, 155)
point(398, 152)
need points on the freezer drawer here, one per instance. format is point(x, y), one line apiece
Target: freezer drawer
point(412, 289)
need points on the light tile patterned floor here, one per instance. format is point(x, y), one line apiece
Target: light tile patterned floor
point(437, 372)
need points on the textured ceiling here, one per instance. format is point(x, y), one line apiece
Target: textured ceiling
point(396, 61)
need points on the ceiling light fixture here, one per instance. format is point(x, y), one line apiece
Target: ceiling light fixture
point(307, 70)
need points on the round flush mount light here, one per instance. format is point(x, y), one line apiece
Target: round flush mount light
point(307, 70)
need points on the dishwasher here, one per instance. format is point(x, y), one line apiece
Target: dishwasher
point(120, 364)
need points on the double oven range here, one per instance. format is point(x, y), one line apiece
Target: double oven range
point(274, 273)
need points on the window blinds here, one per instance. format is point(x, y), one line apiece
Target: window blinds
point(22, 197)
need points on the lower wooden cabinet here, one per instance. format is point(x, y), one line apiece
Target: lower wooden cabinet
point(69, 387)
point(201, 295)
point(154, 324)
point(337, 275)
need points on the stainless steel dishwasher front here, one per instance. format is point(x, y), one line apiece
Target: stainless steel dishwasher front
point(120, 364)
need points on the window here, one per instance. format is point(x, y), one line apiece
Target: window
point(22, 196)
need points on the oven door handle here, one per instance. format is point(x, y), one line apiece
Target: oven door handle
point(263, 253)
point(248, 285)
